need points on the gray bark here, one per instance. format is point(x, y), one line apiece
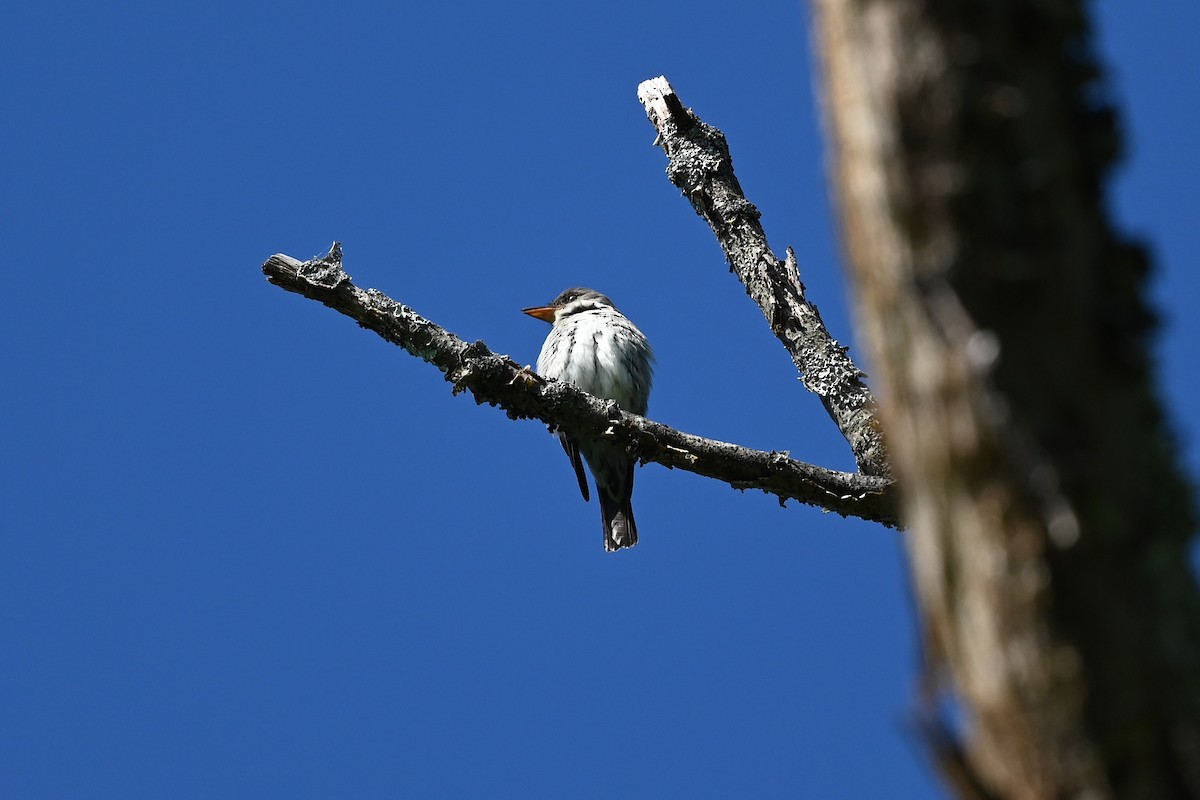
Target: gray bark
point(699, 163)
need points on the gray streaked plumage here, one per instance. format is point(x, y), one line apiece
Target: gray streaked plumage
point(594, 346)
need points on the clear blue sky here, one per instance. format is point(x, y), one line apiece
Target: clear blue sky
point(250, 550)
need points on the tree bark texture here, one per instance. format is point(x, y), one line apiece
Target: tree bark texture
point(699, 163)
point(1009, 335)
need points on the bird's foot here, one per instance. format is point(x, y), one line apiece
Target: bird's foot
point(527, 377)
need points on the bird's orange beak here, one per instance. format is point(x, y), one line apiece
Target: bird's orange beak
point(544, 313)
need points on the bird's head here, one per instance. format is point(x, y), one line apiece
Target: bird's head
point(572, 301)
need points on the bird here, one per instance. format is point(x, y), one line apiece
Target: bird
point(595, 347)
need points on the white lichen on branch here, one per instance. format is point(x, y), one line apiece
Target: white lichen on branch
point(699, 164)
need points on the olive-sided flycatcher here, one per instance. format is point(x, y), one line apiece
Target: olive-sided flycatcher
point(594, 346)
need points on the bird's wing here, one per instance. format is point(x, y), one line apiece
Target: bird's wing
point(572, 449)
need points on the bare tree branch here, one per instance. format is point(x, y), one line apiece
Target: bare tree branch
point(700, 165)
point(499, 381)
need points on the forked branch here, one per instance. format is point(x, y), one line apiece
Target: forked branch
point(499, 381)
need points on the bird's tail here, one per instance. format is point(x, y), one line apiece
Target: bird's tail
point(620, 530)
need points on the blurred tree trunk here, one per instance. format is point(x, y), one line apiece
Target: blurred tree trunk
point(1008, 329)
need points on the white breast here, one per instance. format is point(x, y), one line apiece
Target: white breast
point(603, 353)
